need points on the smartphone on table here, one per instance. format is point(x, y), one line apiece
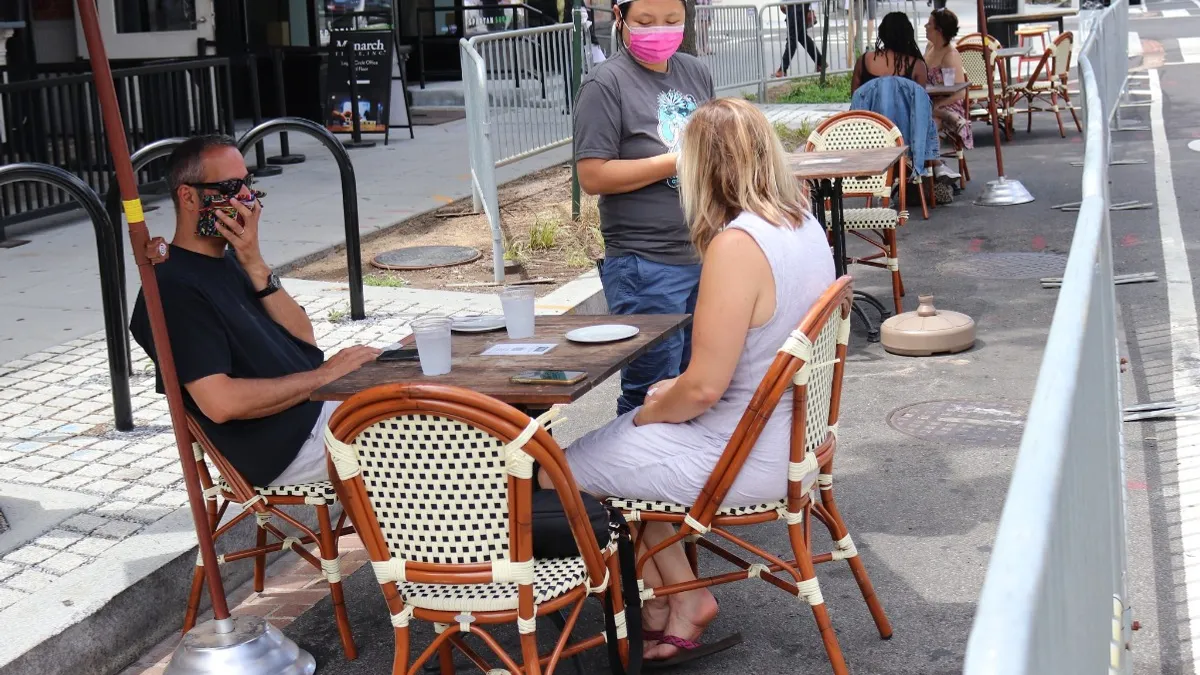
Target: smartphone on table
point(549, 377)
point(398, 354)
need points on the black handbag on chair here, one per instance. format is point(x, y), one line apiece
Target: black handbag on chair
point(552, 538)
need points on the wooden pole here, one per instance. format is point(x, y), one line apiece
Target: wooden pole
point(991, 85)
point(139, 238)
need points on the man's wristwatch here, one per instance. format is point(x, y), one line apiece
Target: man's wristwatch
point(272, 286)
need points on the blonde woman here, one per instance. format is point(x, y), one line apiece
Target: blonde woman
point(765, 263)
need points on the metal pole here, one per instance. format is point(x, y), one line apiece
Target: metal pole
point(111, 282)
point(576, 79)
point(139, 237)
point(356, 140)
point(261, 168)
point(285, 155)
point(824, 41)
point(1002, 191)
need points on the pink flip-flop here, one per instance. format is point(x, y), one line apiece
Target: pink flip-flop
point(689, 650)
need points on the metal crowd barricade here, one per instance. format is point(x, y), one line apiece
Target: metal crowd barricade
point(1055, 599)
point(776, 22)
point(519, 103)
point(727, 41)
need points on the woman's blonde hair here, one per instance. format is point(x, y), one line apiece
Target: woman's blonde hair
point(732, 161)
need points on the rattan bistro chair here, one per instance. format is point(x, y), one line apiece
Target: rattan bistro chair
point(812, 360)
point(1048, 83)
point(875, 224)
point(977, 94)
point(438, 481)
point(263, 503)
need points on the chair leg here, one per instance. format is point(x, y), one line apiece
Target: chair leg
point(693, 556)
point(1057, 113)
point(1067, 98)
point(618, 600)
point(400, 660)
point(838, 530)
point(446, 658)
point(260, 560)
point(964, 175)
point(193, 604)
point(329, 551)
point(1029, 117)
point(924, 204)
point(820, 612)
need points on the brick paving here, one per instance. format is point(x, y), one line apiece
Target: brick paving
point(292, 587)
point(56, 432)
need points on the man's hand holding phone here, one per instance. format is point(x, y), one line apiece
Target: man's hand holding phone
point(242, 235)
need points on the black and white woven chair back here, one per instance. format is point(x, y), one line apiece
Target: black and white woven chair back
point(417, 470)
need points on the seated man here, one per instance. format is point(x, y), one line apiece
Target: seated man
point(244, 350)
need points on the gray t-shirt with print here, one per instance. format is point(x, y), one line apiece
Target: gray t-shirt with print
point(627, 111)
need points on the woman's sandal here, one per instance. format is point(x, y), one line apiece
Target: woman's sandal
point(689, 650)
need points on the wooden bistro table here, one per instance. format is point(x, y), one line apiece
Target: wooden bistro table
point(826, 171)
point(490, 375)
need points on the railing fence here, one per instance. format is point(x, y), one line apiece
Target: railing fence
point(1055, 598)
point(55, 120)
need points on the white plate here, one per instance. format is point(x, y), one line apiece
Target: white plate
point(609, 332)
point(477, 324)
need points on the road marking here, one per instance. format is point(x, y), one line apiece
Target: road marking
point(1185, 359)
point(1189, 49)
point(1175, 14)
point(1194, 146)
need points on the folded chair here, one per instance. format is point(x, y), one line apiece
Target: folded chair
point(263, 503)
point(876, 225)
point(438, 482)
point(1048, 82)
point(808, 368)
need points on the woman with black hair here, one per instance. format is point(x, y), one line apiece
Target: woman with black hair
point(896, 53)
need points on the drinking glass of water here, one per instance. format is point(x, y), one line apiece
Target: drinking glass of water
point(433, 344)
point(518, 311)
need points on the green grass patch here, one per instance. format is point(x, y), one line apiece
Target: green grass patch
point(386, 280)
point(793, 139)
point(810, 90)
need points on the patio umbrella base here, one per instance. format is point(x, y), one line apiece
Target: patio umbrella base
point(253, 647)
point(1004, 192)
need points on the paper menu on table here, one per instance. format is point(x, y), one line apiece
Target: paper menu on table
point(518, 349)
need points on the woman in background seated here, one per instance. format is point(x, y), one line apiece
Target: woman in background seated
point(949, 112)
point(896, 53)
point(766, 262)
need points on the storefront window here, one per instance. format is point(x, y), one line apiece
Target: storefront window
point(152, 16)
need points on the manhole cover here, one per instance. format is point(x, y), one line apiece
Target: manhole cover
point(993, 423)
point(1007, 265)
point(425, 257)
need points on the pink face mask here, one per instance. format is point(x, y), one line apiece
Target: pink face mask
point(654, 44)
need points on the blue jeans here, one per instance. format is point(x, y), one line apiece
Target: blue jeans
point(634, 285)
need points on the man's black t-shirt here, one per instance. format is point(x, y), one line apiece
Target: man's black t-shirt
point(217, 326)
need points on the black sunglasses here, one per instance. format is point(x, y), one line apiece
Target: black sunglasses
point(227, 188)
